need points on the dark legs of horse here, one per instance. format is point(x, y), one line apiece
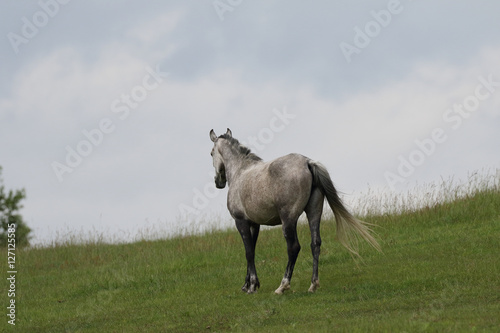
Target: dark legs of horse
point(293, 248)
point(249, 232)
point(313, 211)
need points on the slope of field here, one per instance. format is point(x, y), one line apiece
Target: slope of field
point(440, 271)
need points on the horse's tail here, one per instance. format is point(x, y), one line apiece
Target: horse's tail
point(348, 227)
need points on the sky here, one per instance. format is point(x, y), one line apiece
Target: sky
point(106, 106)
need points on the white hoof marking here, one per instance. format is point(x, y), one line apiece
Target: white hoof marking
point(314, 286)
point(285, 285)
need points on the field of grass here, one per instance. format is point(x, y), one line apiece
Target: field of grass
point(440, 272)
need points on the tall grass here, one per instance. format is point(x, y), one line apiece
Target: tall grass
point(425, 196)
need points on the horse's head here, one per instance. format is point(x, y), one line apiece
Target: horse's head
point(218, 160)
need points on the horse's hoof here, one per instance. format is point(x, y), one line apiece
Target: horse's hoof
point(285, 285)
point(314, 286)
point(250, 289)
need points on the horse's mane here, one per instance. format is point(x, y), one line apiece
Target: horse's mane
point(245, 151)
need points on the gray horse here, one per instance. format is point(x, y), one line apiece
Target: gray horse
point(277, 192)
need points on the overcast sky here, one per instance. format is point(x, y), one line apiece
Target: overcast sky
point(106, 106)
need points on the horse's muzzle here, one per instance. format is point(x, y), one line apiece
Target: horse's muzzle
point(220, 186)
point(220, 181)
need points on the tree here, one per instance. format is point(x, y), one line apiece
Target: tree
point(10, 204)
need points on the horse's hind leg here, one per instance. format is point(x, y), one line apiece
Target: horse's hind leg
point(249, 232)
point(313, 210)
point(293, 248)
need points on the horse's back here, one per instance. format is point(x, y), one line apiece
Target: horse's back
point(291, 166)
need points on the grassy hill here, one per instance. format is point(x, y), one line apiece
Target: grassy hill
point(440, 271)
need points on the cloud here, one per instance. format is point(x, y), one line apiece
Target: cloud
point(154, 29)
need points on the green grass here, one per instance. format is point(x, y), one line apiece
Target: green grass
point(440, 272)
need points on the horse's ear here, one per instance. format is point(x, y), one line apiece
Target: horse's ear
point(229, 133)
point(213, 136)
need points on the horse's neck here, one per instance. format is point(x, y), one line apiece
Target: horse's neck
point(235, 165)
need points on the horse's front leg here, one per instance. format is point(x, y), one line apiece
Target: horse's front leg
point(249, 232)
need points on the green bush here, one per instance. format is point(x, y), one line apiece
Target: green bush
point(10, 204)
